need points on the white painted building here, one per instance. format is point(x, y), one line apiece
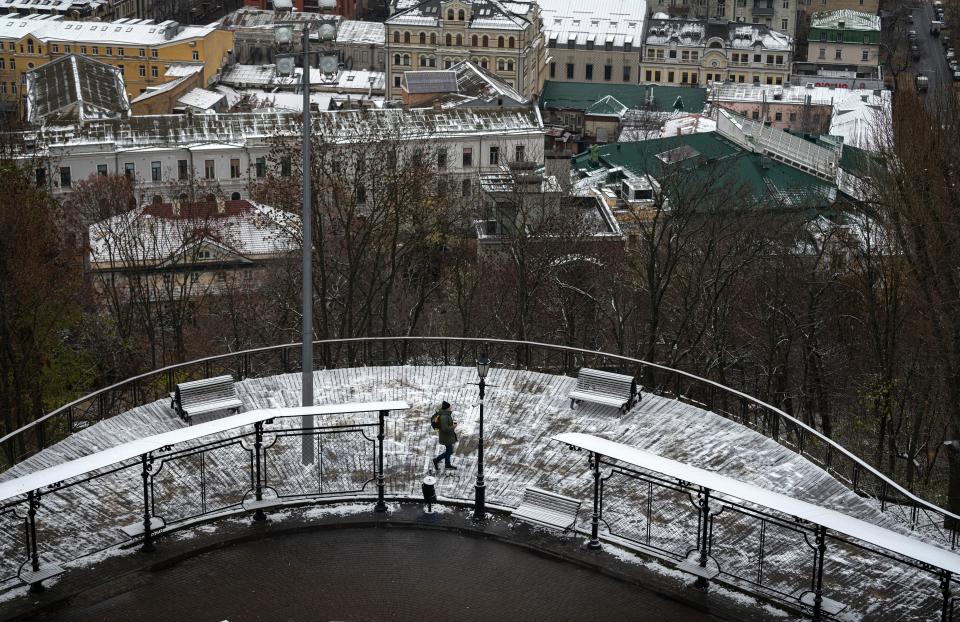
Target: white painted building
point(234, 149)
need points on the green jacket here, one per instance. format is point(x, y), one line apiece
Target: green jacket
point(446, 433)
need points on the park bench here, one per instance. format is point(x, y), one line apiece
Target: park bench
point(204, 396)
point(548, 509)
point(603, 387)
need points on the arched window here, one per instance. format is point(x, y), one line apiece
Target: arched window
point(450, 14)
point(500, 42)
point(459, 41)
point(509, 65)
point(449, 39)
point(486, 41)
point(473, 41)
point(406, 37)
point(396, 36)
point(499, 64)
point(423, 38)
point(182, 198)
point(433, 38)
point(396, 59)
point(460, 15)
point(157, 199)
point(406, 60)
point(483, 63)
point(512, 42)
point(235, 196)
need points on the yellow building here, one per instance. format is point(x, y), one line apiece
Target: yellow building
point(141, 49)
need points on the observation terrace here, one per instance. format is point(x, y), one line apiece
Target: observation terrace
point(863, 544)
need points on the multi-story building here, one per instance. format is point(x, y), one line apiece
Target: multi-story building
point(690, 52)
point(72, 9)
point(139, 48)
point(778, 15)
point(349, 9)
point(162, 153)
point(254, 38)
point(844, 40)
point(504, 38)
point(600, 46)
point(360, 45)
point(809, 7)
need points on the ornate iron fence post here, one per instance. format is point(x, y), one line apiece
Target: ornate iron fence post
point(258, 483)
point(594, 542)
point(33, 503)
point(147, 514)
point(381, 503)
point(819, 554)
point(701, 581)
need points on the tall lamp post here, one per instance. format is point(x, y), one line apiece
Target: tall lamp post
point(480, 494)
point(326, 31)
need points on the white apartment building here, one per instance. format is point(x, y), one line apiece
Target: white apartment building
point(234, 149)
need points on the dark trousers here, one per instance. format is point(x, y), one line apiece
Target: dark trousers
point(445, 456)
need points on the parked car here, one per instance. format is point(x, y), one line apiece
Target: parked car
point(935, 28)
point(912, 35)
point(923, 82)
point(945, 40)
point(956, 76)
point(954, 65)
point(950, 55)
point(910, 17)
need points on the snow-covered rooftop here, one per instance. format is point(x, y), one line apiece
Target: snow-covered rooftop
point(119, 32)
point(351, 31)
point(201, 99)
point(484, 14)
point(266, 76)
point(76, 87)
point(861, 118)
point(696, 33)
point(614, 21)
point(845, 19)
point(788, 94)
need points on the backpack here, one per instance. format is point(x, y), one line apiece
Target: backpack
point(435, 421)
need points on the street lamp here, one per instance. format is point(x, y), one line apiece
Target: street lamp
point(479, 504)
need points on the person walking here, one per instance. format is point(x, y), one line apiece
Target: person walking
point(446, 434)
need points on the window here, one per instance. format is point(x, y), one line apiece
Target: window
point(519, 153)
point(120, 67)
point(442, 158)
point(459, 41)
point(673, 54)
point(396, 36)
point(153, 72)
point(569, 71)
point(837, 54)
point(494, 156)
point(13, 63)
point(1, 63)
point(423, 38)
point(129, 170)
point(757, 58)
point(460, 15)
point(83, 49)
point(450, 14)
point(656, 76)
point(56, 48)
point(433, 38)
point(396, 59)
point(511, 42)
point(143, 71)
point(553, 70)
point(65, 180)
point(195, 55)
point(30, 47)
point(626, 73)
point(670, 76)
point(396, 81)
point(406, 37)
point(154, 171)
point(467, 156)
point(684, 76)
point(823, 53)
point(627, 47)
point(234, 168)
point(406, 60)
point(783, 24)
point(694, 55)
point(755, 115)
point(119, 51)
point(778, 116)
point(793, 116)
point(509, 65)
point(209, 170)
point(486, 41)
point(500, 42)
point(154, 53)
point(102, 170)
point(465, 187)
point(589, 73)
point(261, 167)
point(13, 88)
point(181, 169)
point(448, 39)
point(647, 76)
point(285, 166)
point(608, 72)
point(865, 55)
point(474, 41)
point(685, 55)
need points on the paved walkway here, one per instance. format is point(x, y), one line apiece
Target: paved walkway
point(376, 574)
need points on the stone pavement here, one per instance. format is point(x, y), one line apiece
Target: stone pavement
point(317, 563)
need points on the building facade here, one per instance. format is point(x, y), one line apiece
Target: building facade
point(437, 34)
point(809, 7)
point(844, 40)
point(777, 15)
point(685, 52)
point(360, 45)
point(141, 50)
point(162, 152)
point(600, 47)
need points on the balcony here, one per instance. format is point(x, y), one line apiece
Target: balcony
point(760, 11)
point(368, 449)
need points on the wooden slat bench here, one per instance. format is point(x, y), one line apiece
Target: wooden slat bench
point(603, 387)
point(204, 396)
point(548, 509)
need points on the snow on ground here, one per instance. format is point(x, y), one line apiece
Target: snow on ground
point(523, 410)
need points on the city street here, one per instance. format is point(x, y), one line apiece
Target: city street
point(932, 62)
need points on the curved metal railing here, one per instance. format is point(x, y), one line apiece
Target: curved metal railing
point(892, 498)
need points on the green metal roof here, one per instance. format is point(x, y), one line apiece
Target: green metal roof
point(582, 96)
point(710, 154)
